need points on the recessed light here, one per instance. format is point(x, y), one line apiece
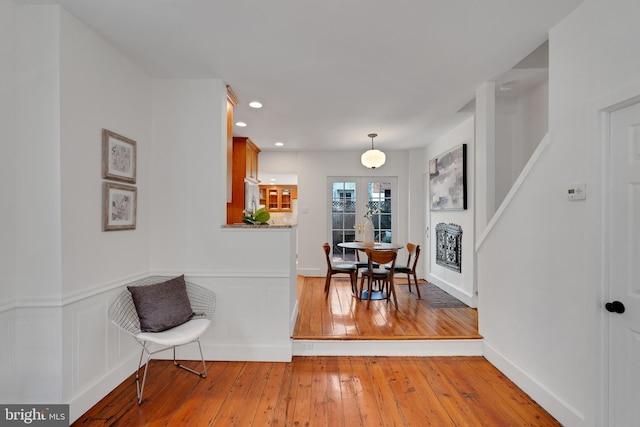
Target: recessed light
point(255, 104)
point(241, 124)
point(279, 144)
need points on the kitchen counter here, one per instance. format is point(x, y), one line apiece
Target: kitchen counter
point(260, 227)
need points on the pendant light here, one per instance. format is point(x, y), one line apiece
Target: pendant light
point(373, 158)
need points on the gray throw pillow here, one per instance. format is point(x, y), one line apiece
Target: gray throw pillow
point(162, 306)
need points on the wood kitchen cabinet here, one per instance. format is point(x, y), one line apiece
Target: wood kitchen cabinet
point(278, 198)
point(244, 167)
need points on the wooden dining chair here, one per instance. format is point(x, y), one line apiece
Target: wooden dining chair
point(360, 264)
point(380, 275)
point(342, 268)
point(410, 268)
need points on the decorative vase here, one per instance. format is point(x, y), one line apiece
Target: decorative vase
point(368, 232)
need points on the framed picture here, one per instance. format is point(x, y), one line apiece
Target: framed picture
point(448, 180)
point(119, 204)
point(118, 157)
point(449, 246)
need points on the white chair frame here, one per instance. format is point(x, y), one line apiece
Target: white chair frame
point(123, 314)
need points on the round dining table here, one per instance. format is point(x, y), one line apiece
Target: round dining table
point(382, 246)
point(361, 246)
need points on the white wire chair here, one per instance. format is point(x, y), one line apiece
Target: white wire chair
point(123, 314)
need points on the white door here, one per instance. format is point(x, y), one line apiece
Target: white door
point(349, 198)
point(624, 261)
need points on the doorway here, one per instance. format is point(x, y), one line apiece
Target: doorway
point(350, 199)
point(623, 303)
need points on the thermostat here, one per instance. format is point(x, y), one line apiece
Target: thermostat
point(577, 192)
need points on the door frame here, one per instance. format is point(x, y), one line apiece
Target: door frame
point(426, 251)
point(360, 180)
point(607, 249)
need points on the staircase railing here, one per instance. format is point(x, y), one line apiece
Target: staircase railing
point(544, 144)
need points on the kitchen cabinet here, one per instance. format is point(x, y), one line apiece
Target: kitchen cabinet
point(244, 169)
point(278, 198)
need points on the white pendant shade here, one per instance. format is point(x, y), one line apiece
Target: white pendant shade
point(373, 158)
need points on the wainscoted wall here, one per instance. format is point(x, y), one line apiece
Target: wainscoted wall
point(253, 321)
point(31, 355)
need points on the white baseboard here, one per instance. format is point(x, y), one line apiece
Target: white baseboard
point(250, 353)
point(276, 352)
point(293, 318)
point(558, 408)
point(387, 347)
point(85, 399)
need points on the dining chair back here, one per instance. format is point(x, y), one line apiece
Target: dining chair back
point(361, 264)
point(382, 276)
point(338, 268)
point(410, 268)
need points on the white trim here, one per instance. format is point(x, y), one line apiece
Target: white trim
point(7, 304)
point(422, 348)
point(603, 333)
point(77, 296)
point(294, 317)
point(84, 399)
point(561, 410)
point(514, 189)
point(312, 272)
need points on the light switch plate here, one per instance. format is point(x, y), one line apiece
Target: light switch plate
point(577, 192)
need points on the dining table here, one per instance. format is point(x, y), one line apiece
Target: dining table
point(379, 246)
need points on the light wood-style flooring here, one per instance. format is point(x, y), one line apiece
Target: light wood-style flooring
point(324, 391)
point(337, 391)
point(437, 315)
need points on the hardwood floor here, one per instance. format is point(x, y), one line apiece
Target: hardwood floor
point(324, 391)
point(437, 315)
point(337, 391)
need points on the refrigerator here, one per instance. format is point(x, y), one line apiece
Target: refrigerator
point(251, 196)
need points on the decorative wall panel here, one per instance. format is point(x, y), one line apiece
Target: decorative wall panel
point(449, 246)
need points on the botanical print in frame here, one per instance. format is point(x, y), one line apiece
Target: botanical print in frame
point(448, 180)
point(118, 157)
point(119, 206)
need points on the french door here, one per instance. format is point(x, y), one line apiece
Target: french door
point(350, 199)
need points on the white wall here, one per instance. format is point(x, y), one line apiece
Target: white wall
point(8, 158)
point(416, 201)
point(251, 271)
point(99, 88)
point(461, 285)
point(8, 190)
point(37, 208)
point(71, 83)
point(540, 270)
point(68, 83)
point(521, 123)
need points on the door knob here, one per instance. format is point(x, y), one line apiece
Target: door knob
point(615, 307)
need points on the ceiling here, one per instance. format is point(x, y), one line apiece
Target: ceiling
point(329, 72)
